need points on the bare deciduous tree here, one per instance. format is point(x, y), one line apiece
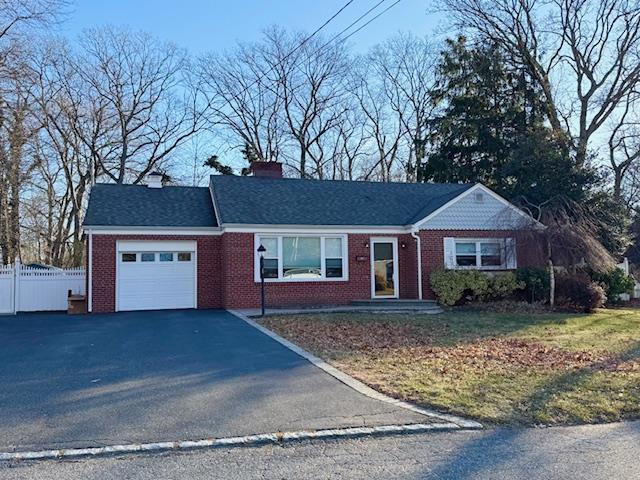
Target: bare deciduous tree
point(16, 18)
point(583, 54)
point(314, 98)
point(624, 151)
point(244, 106)
point(151, 107)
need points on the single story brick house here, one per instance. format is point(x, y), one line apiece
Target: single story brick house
point(326, 242)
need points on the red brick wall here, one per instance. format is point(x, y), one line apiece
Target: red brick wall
point(528, 250)
point(407, 261)
point(209, 261)
point(241, 290)
point(226, 269)
point(103, 273)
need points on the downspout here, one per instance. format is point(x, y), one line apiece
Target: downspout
point(90, 274)
point(414, 234)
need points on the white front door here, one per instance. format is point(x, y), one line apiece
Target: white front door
point(384, 268)
point(155, 275)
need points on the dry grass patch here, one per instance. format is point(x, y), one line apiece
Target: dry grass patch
point(502, 368)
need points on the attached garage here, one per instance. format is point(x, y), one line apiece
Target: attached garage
point(156, 275)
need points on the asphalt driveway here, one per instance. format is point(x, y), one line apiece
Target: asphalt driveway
point(70, 381)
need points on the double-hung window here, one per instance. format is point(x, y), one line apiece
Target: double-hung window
point(302, 257)
point(271, 260)
point(484, 254)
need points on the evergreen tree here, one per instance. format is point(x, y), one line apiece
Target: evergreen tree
point(248, 153)
point(492, 130)
point(214, 162)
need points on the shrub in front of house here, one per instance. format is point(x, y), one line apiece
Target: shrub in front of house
point(453, 287)
point(536, 284)
point(579, 293)
point(503, 285)
point(449, 286)
point(616, 283)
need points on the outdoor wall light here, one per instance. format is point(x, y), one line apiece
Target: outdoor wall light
point(366, 244)
point(403, 245)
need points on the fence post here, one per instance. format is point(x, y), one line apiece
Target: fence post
point(16, 286)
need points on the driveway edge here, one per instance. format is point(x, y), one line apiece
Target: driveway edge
point(244, 441)
point(357, 384)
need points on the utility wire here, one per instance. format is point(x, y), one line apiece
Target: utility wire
point(322, 47)
point(306, 40)
point(298, 47)
point(355, 22)
point(374, 18)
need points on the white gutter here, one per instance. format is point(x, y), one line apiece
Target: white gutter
point(90, 274)
point(414, 234)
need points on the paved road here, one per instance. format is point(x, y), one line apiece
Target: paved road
point(137, 377)
point(593, 452)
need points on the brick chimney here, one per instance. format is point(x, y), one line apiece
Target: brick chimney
point(266, 169)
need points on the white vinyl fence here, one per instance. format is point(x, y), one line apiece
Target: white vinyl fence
point(24, 289)
point(624, 266)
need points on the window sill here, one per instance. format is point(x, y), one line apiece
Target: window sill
point(496, 268)
point(302, 280)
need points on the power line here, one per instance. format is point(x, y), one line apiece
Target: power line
point(335, 37)
point(374, 18)
point(322, 47)
point(353, 23)
point(298, 47)
point(306, 40)
point(358, 20)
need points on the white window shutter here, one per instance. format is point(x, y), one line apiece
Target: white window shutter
point(511, 256)
point(449, 252)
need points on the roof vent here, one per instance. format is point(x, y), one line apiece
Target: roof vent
point(154, 180)
point(478, 197)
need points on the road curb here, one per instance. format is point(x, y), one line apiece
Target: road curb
point(244, 441)
point(357, 384)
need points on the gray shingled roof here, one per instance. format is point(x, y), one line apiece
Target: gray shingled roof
point(269, 201)
point(141, 206)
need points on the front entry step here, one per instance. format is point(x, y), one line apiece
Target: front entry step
point(398, 305)
point(377, 302)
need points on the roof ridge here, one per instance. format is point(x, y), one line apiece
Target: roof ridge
point(332, 180)
point(105, 184)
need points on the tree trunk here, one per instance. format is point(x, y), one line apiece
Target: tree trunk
point(552, 285)
point(581, 152)
point(552, 277)
point(617, 185)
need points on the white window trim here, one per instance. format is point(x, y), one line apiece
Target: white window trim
point(281, 279)
point(478, 266)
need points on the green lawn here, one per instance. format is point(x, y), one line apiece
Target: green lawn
point(498, 368)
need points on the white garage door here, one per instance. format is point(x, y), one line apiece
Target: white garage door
point(155, 275)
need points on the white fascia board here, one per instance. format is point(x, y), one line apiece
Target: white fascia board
point(116, 230)
point(478, 186)
point(244, 228)
point(318, 229)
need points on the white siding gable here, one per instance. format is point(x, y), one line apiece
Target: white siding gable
point(476, 209)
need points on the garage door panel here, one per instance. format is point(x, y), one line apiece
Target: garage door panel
point(160, 303)
point(156, 285)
